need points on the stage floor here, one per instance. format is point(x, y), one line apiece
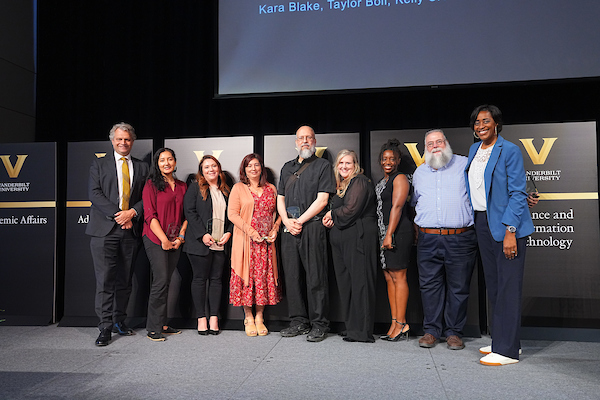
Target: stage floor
point(53, 362)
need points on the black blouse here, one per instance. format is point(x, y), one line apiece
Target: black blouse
point(358, 202)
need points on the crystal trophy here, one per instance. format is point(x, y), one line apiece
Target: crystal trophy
point(294, 213)
point(215, 227)
point(172, 232)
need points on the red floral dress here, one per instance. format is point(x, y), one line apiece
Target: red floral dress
point(261, 289)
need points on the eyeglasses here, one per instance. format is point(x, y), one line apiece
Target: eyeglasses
point(304, 138)
point(438, 143)
point(485, 122)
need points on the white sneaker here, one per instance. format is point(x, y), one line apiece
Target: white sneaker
point(497, 359)
point(488, 350)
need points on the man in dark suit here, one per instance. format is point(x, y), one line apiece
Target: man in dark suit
point(115, 190)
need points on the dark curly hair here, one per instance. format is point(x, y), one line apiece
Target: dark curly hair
point(394, 146)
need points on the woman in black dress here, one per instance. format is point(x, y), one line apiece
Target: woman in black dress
point(395, 236)
point(353, 237)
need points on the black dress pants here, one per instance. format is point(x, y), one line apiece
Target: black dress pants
point(304, 261)
point(113, 256)
point(162, 265)
point(355, 252)
point(209, 269)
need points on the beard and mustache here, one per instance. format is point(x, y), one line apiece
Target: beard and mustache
point(436, 161)
point(306, 153)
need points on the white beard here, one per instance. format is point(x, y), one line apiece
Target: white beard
point(307, 153)
point(438, 161)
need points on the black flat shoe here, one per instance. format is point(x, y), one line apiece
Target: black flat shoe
point(211, 332)
point(203, 333)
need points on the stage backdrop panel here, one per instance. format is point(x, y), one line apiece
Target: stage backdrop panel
point(280, 149)
point(28, 233)
point(562, 277)
point(80, 282)
point(229, 151)
point(412, 144)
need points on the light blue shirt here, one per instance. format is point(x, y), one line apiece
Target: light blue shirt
point(440, 196)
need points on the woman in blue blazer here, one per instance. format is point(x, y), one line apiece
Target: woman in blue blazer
point(496, 184)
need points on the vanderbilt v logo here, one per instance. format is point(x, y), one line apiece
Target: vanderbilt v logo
point(13, 172)
point(200, 153)
point(538, 158)
point(414, 153)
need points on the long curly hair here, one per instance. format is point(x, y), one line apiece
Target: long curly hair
point(155, 176)
point(203, 184)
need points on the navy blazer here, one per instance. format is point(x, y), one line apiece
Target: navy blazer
point(103, 191)
point(197, 213)
point(505, 185)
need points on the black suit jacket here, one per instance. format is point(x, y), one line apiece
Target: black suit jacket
point(197, 213)
point(103, 191)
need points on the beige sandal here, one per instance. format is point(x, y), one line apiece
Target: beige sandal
point(250, 327)
point(262, 329)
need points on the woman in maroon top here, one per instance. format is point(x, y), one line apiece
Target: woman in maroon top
point(164, 232)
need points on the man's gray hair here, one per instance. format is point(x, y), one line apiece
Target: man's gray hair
point(432, 131)
point(124, 127)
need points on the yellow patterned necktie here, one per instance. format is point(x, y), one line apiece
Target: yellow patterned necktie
point(126, 185)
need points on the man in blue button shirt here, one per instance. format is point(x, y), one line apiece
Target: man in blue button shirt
point(447, 245)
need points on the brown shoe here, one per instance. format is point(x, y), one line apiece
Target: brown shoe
point(455, 343)
point(428, 341)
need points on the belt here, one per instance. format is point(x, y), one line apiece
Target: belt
point(445, 231)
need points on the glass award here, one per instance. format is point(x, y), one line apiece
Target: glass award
point(172, 232)
point(215, 227)
point(531, 189)
point(294, 213)
point(263, 228)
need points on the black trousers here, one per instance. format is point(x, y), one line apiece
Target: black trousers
point(209, 269)
point(504, 284)
point(304, 261)
point(354, 251)
point(162, 265)
point(113, 256)
point(445, 268)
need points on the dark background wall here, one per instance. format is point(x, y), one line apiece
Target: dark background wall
point(17, 72)
point(152, 64)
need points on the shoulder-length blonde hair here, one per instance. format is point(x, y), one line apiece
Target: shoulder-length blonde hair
point(203, 184)
point(342, 184)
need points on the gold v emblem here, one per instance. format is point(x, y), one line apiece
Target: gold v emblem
point(538, 158)
point(13, 172)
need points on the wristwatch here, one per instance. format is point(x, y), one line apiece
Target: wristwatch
point(511, 228)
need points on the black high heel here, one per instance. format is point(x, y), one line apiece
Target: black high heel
point(203, 333)
point(386, 337)
point(403, 335)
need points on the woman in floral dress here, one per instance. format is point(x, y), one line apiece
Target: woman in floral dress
point(254, 277)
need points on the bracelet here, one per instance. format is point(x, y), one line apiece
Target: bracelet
point(181, 238)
